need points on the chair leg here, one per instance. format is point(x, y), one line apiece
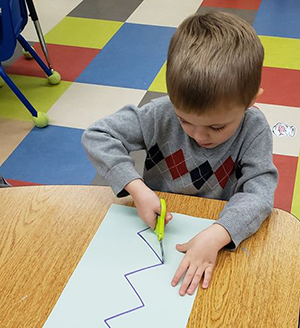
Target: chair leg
point(17, 92)
point(38, 59)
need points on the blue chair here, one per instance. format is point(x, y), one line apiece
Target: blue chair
point(13, 19)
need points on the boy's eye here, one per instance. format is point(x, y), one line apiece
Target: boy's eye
point(183, 121)
point(218, 129)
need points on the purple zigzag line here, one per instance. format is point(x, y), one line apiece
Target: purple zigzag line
point(133, 272)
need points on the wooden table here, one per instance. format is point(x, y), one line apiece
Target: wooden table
point(45, 230)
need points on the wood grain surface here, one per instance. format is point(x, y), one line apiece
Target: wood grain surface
point(45, 230)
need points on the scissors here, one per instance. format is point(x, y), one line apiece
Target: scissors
point(160, 227)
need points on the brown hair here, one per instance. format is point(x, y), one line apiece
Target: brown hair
point(213, 59)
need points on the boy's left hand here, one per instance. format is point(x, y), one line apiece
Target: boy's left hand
point(200, 258)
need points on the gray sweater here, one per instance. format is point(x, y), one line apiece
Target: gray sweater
point(240, 170)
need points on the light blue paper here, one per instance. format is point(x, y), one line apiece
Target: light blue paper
point(120, 281)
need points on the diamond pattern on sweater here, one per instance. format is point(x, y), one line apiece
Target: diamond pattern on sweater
point(224, 172)
point(154, 156)
point(201, 174)
point(176, 164)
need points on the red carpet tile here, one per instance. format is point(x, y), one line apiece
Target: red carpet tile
point(237, 4)
point(287, 166)
point(281, 87)
point(17, 183)
point(68, 61)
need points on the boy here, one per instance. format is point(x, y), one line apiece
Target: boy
point(205, 139)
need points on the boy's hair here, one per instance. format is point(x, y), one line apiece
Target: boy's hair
point(213, 59)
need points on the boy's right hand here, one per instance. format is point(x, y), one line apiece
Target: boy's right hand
point(146, 202)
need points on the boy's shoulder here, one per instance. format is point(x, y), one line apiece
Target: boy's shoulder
point(255, 125)
point(161, 109)
point(161, 103)
point(255, 120)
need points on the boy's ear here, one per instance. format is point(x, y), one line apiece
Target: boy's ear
point(259, 93)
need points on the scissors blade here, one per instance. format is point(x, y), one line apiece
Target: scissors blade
point(162, 251)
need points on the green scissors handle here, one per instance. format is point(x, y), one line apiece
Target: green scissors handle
point(160, 223)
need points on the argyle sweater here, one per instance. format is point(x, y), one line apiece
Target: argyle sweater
point(239, 170)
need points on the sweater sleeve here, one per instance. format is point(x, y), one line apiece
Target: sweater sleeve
point(109, 141)
point(253, 199)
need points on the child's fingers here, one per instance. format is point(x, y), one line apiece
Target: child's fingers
point(180, 271)
point(187, 280)
point(169, 217)
point(207, 276)
point(151, 221)
point(195, 282)
point(182, 247)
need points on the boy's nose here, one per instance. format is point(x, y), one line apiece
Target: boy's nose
point(201, 136)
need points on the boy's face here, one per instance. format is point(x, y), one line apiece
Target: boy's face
point(213, 128)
